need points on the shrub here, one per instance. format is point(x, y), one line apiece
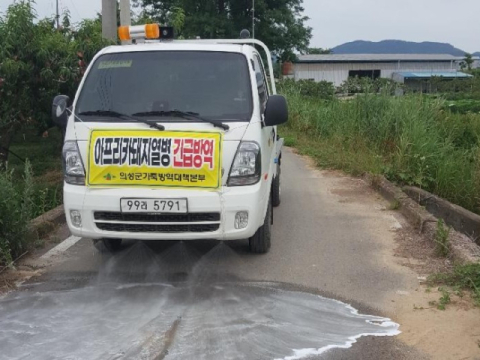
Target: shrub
point(464, 106)
point(356, 85)
point(442, 241)
point(16, 211)
point(322, 90)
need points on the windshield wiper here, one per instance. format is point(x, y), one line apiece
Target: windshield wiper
point(184, 115)
point(111, 113)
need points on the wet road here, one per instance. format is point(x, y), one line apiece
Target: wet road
point(332, 254)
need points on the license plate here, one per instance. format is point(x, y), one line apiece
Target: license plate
point(133, 205)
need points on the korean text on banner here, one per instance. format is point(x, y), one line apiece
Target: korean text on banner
point(153, 158)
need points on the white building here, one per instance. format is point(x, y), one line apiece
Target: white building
point(337, 68)
point(476, 62)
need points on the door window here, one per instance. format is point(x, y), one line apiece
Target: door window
point(261, 80)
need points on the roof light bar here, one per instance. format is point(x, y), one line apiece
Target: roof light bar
point(148, 31)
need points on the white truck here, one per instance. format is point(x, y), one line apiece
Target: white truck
point(173, 140)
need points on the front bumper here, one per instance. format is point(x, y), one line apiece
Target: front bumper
point(227, 202)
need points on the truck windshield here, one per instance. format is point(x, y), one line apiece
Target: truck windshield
point(214, 85)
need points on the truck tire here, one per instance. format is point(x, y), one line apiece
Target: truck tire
point(276, 188)
point(260, 242)
point(108, 245)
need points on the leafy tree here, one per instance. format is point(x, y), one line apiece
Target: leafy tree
point(278, 23)
point(19, 71)
point(66, 20)
point(37, 62)
point(467, 62)
point(318, 51)
point(175, 17)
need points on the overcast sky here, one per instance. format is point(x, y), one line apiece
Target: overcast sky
point(335, 22)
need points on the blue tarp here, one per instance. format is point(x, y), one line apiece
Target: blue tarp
point(429, 74)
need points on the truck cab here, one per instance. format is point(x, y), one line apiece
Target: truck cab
point(173, 140)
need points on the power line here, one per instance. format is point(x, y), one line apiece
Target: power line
point(75, 8)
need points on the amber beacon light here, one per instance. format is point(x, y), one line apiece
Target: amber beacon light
point(148, 31)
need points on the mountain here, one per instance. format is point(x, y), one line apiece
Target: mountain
point(396, 47)
point(476, 54)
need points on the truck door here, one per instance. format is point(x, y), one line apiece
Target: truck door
point(269, 133)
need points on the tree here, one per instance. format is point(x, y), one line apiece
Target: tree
point(37, 62)
point(318, 51)
point(467, 62)
point(280, 23)
point(19, 71)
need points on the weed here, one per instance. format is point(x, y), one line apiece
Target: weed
point(458, 292)
point(16, 210)
point(290, 141)
point(444, 299)
point(394, 205)
point(442, 239)
point(462, 277)
point(39, 243)
point(45, 161)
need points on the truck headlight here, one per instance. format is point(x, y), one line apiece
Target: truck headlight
point(72, 164)
point(247, 165)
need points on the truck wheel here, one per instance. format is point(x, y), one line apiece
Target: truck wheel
point(108, 245)
point(276, 188)
point(260, 242)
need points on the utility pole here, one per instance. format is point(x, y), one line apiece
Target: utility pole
point(58, 16)
point(109, 19)
point(125, 16)
point(253, 19)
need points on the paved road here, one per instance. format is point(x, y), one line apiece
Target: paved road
point(332, 237)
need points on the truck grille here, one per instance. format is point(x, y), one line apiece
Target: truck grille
point(148, 228)
point(191, 217)
point(157, 223)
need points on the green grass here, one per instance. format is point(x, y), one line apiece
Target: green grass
point(462, 277)
point(464, 106)
point(30, 185)
point(411, 140)
point(44, 155)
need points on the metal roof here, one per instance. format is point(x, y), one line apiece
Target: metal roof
point(429, 74)
point(376, 58)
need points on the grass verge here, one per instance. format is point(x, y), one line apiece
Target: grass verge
point(411, 140)
point(30, 185)
point(44, 155)
point(462, 277)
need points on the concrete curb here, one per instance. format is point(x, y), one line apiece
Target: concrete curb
point(463, 249)
point(455, 216)
point(45, 223)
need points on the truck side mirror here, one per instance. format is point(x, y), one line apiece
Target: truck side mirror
point(59, 110)
point(276, 112)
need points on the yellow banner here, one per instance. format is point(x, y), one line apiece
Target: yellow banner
point(154, 158)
